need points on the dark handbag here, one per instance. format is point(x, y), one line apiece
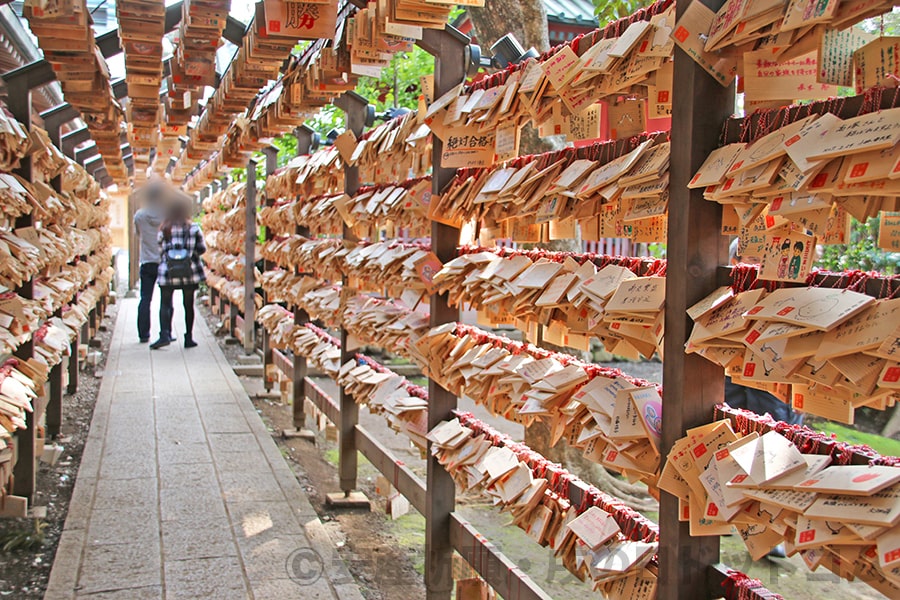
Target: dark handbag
point(178, 263)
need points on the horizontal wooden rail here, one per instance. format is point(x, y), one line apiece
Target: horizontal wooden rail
point(323, 401)
point(500, 572)
point(806, 439)
point(495, 568)
point(238, 328)
point(491, 564)
point(283, 362)
point(873, 284)
point(732, 585)
point(400, 476)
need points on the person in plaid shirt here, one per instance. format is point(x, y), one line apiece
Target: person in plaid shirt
point(178, 233)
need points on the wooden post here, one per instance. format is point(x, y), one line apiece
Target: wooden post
point(134, 246)
point(447, 47)
point(53, 120)
point(692, 384)
point(73, 364)
point(355, 108)
point(271, 165)
point(304, 137)
point(19, 86)
point(250, 259)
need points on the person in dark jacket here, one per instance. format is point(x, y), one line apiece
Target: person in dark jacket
point(147, 221)
point(181, 245)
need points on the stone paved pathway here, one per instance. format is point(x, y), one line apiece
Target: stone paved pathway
point(182, 493)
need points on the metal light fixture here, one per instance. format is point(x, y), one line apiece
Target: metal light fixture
point(505, 51)
point(392, 113)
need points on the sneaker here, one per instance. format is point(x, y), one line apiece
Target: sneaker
point(160, 343)
point(144, 340)
point(189, 343)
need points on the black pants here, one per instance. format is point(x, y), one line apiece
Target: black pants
point(148, 273)
point(166, 308)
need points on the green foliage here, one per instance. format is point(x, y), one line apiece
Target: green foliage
point(888, 24)
point(330, 117)
point(611, 10)
point(862, 252)
point(287, 148)
point(882, 445)
point(399, 83)
point(24, 539)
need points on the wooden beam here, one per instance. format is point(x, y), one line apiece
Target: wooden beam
point(59, 115)
point(692, 384)
point(31, 76)
point(447, 47)
point(82, 155)
point(401, 477)
point(110, 43)
point(74, 138)
point(354, 107)
point(19, 84)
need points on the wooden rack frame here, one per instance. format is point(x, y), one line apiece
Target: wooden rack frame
point(20, 83)
point(688, 566)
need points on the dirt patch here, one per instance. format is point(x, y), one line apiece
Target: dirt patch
point(25, 573)
point(385, 557)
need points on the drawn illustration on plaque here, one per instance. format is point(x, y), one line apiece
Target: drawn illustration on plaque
point(776, 358)
point(653, 417)
point(834, 528)
point(765, 514)
point(623, 118)
point(746, 177)
point(819, 307)
point(815, 9)
point(754, 529)
point(784, 261)
point(663, 32)
point(761, 151)
point(816, 366)
point(796, 260)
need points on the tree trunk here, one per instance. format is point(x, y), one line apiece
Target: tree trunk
point(527, 20)
point(892, 427)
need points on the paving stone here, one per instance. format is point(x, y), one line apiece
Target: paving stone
point(152, 592)
point(250, 487)
point(225, 424)
point(64, 578)
point(182, 475)
point(268, 555)
point(231, 442)
point(81, 503)
point(252, 519)
point(183, 452)
point(220, 578)
point(289, 588)
point(139, 525)
point(107, 567)
point(127, 469)
point(240, 462)
point(182, 492)
point(181, 541)
point(183, 504)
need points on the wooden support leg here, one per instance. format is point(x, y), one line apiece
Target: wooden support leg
point(355, 107)
point(298, 378)
point(73, 364)
point(53, 419)
point(449, 70)
point(691, 384)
